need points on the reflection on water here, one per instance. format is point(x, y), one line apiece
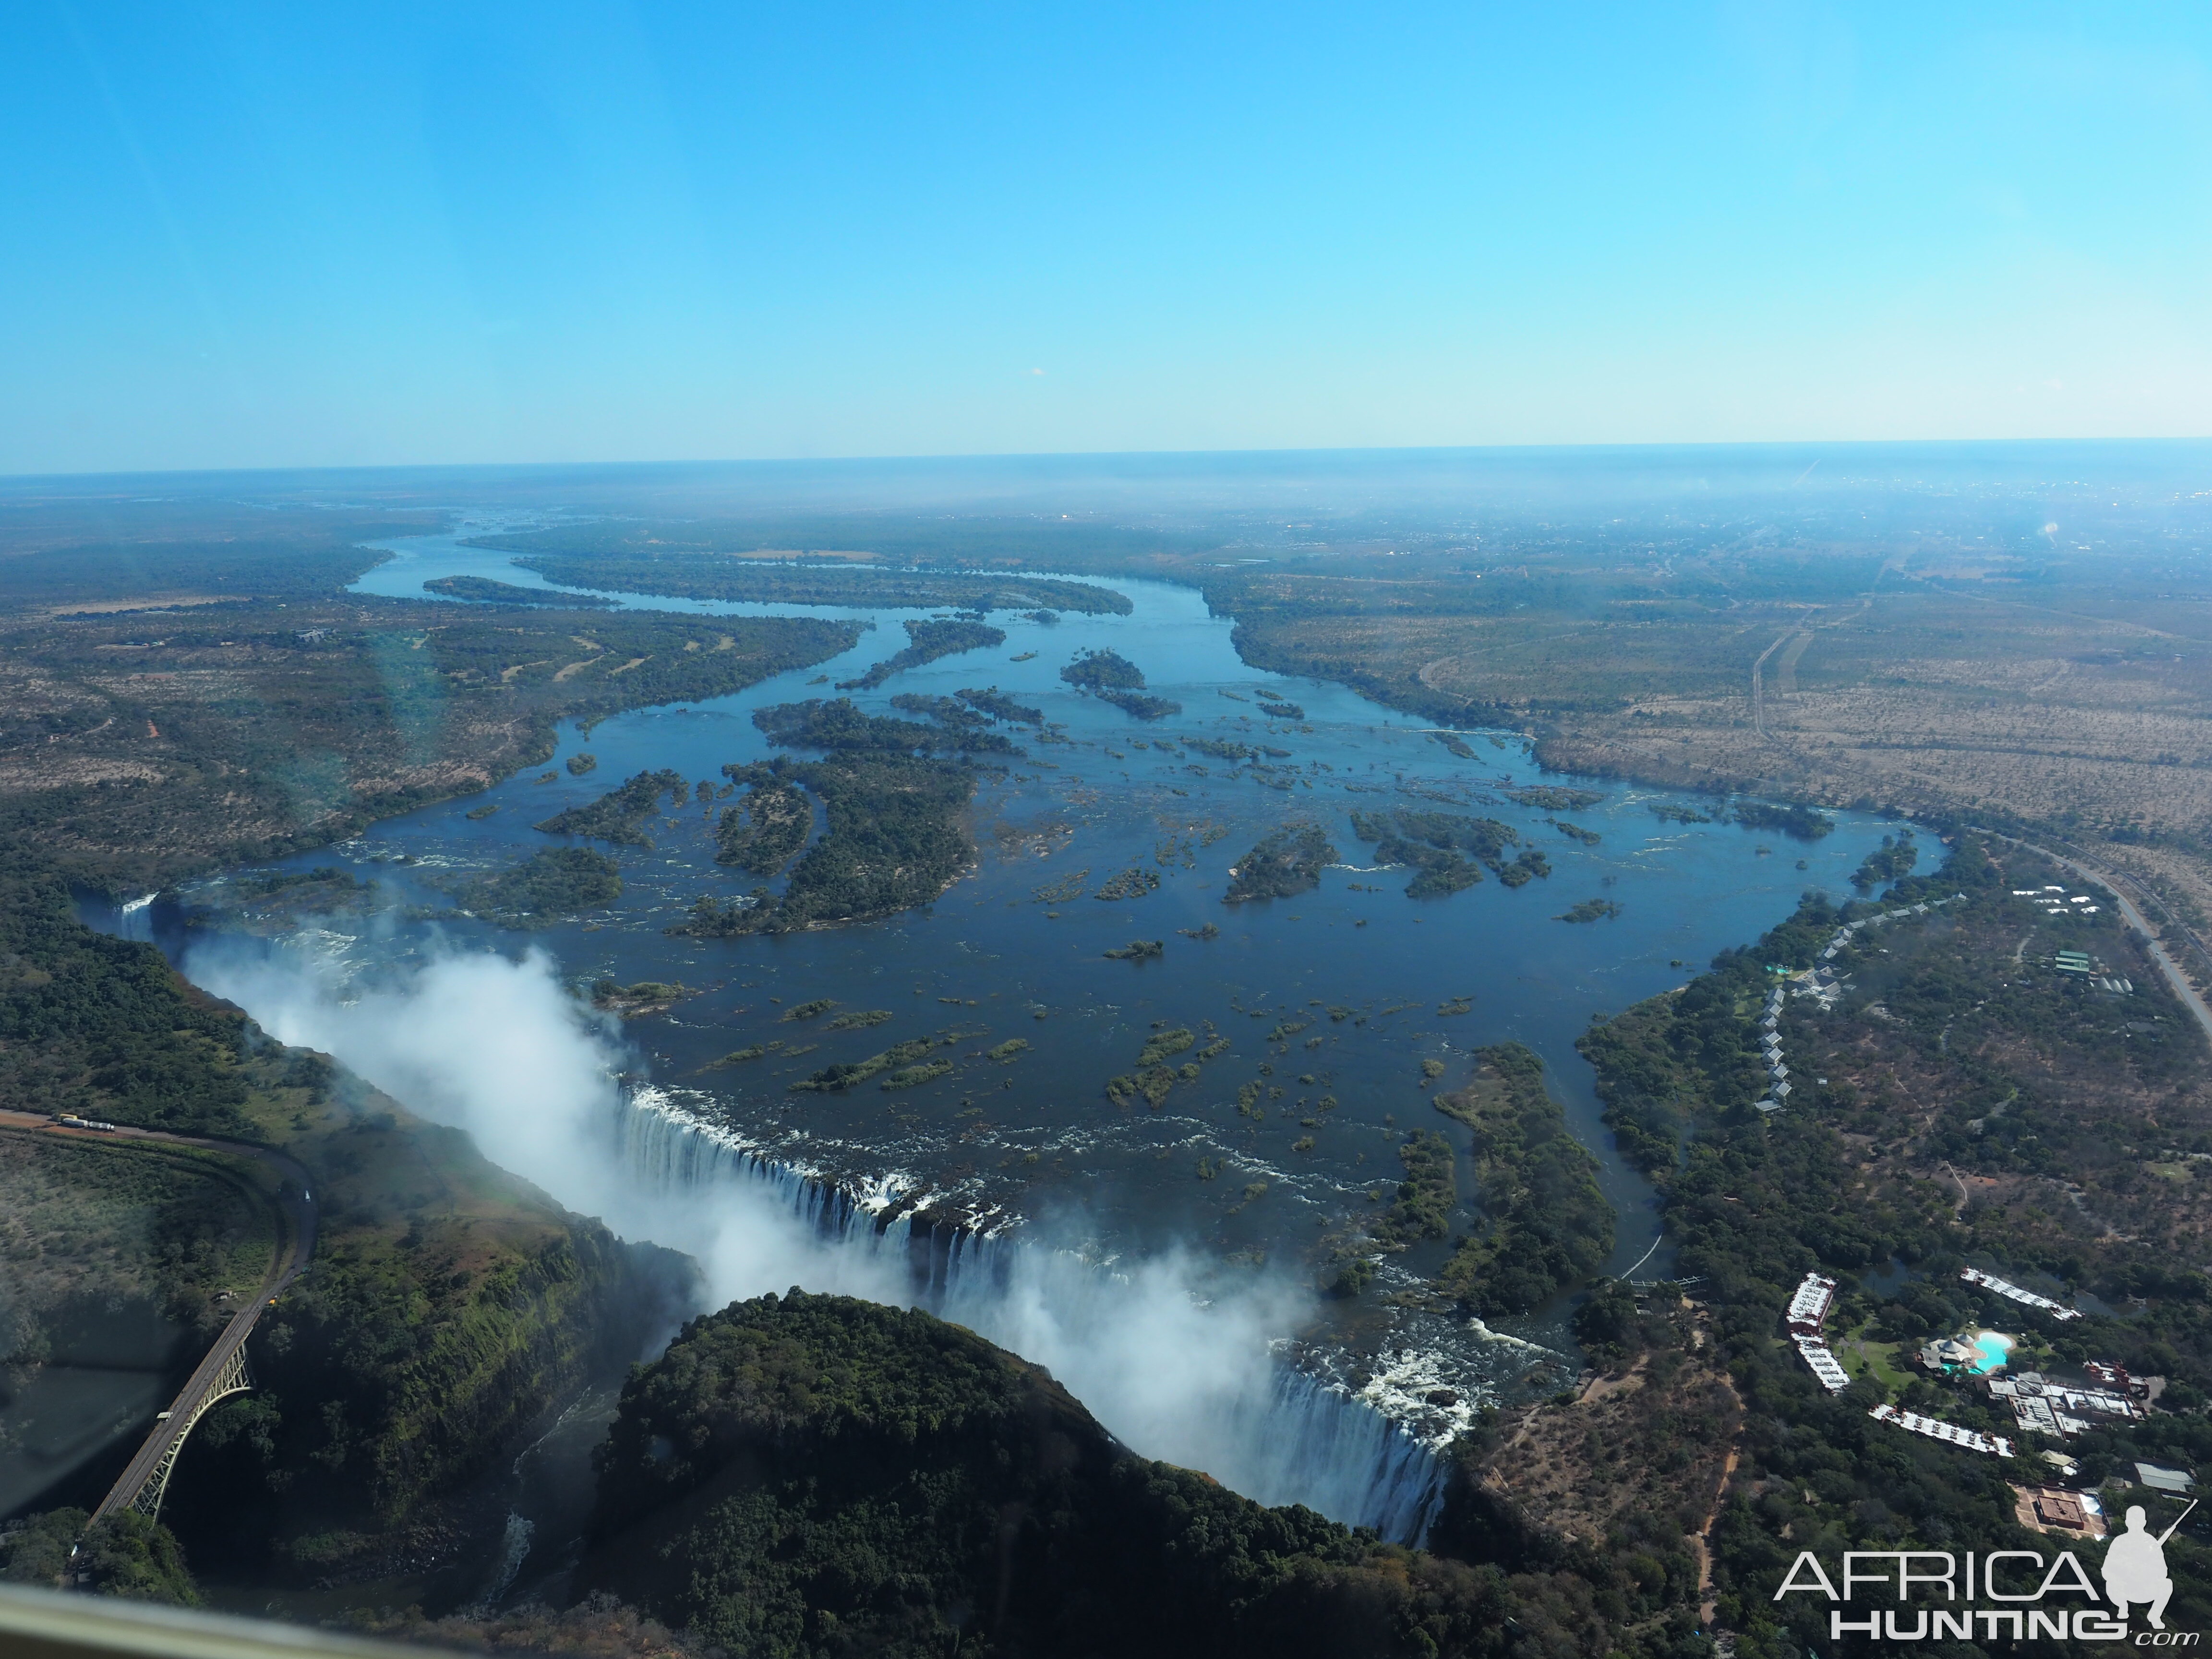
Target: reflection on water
point(71, 1417)
point(1327, 1001)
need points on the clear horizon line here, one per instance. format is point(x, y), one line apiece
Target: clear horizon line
point(1006, 456)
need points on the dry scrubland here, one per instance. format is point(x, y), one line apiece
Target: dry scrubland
point(143, 747)
point(2094, 727)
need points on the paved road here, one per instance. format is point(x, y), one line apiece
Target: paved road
point(2134, 918)
point(297, 1200)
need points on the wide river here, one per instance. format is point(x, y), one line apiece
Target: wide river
point(1033, 1147)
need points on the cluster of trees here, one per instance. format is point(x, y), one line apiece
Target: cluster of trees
point(775, 825)
point(122, 1554)
point(839, 724)
point(1445, 849)
point(1893, 859)
point(1139, 705)
point(814, 1474)
point(1000, 707)
point(1553, 797)
point(1112, 678)
point(946, 711)
point(834, 1080)
point(895, 813)
point(1794, 819)
point(1590, 910)
point(619, 815)
point(552, 883)
point(929, 642)
point(1221, 749)
point(1425, 1198)
point(1287, 862)
point(1104, 671)
point(483, 590)
point(100, 1026)
point(1546, 1225)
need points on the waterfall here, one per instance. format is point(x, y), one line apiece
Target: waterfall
point(1205, 1386)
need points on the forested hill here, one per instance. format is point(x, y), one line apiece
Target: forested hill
point(814, 1475)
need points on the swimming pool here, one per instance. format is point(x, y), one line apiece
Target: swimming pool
point(1995, 1348)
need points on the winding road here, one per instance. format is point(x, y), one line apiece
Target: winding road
point(295, 1200)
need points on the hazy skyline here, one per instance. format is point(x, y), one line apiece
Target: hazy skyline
point(258, 236)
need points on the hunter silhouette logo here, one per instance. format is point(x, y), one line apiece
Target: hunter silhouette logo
point(2135, 1567)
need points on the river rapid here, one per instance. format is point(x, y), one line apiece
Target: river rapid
point(1120, 1245)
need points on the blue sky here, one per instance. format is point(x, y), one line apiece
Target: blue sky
point(266, 236)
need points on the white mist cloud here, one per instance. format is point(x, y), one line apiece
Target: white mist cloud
point(1177, 1368)
point(499, 1048)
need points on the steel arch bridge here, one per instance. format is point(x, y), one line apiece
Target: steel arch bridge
point(234, 1377)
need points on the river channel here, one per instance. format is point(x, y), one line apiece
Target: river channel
point(1031, 1148)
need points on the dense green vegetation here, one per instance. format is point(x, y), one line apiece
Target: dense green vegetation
point(836, 1079)
point(1590, 910)
point(1135, 882)
point(1546, 1226)
point(1231, 751)
point(619, 815)
point(897, 837)
point(102, 1027)
point(1445, 849)
point(1976, 1062)
point(930, 641)
point(551, 884)
point(122, 1555)
point(949, 712)
point(332, 885)
point(1104, 671)
point(1423, 1206)
point(1795, 819)
point(1553, 797)
point(687, 575)
point(896, 833)
point(814, 1476)
point(1139, 705)
point(774, 826)
point(839, 724)
point(1890, 861)
point(483, 590)
point(1287, 862)
point(1000, 707)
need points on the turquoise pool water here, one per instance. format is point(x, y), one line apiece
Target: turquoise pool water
point(1996, 1348)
